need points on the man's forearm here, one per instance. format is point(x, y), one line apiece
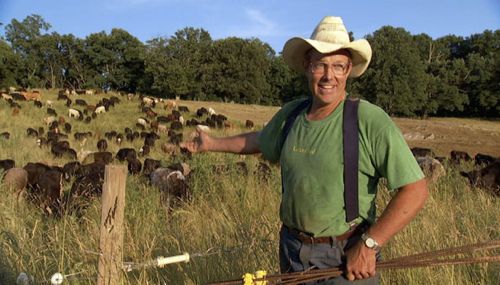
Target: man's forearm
point(246, 143)
point(400, 211)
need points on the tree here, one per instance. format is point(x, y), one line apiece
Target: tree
point(176, 64)
point(8, 65)
point(397, 78)
point(117, 60)
point(239, 70)
point(24, 38)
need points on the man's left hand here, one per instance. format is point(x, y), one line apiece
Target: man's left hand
point(361, 262)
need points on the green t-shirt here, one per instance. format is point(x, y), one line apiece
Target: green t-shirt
point(312, 166)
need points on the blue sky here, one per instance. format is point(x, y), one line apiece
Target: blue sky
point(271, 21)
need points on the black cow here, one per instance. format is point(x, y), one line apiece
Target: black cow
point(487, 177)
point(103, 157)
point(5, 135)
point(7, 164)
point(459, 156)
point(102, 145)
point(483, 159)
point(67, 127)
point(150, 165)
point(126, 154)
point(184, 109)
point(37, 104)
point(134, 166)
point(51, 112)
point(422, 152)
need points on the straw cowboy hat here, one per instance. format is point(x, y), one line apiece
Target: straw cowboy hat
point(330, 35)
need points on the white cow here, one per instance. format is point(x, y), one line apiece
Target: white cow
point(73, 113)
point(100, 110)
point(211, 111)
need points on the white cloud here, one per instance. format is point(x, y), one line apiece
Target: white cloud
point(258, 26)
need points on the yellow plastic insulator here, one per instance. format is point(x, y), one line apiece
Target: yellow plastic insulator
point(248, 279)
point(258, 275)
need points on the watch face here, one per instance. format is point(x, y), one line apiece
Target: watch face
point(370, 242)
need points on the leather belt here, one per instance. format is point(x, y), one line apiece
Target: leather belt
point(308, 239)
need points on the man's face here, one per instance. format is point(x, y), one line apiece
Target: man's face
point(327, 76)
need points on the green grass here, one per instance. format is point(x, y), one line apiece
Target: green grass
point(232, 216)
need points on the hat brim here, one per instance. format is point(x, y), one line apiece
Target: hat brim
point(295, 49)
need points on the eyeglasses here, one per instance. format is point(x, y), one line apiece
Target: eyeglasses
point(339, 69)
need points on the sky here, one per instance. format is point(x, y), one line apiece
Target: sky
point(271, 21)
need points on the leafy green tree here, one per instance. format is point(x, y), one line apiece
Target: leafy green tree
point(117, 60)
point(239, 70)
point(8, 65)
point(24, 38)
point(176, 64)
point(397, 78)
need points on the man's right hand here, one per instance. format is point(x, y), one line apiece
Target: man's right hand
point(199, 143)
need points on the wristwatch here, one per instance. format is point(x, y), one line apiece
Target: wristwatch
point(370, 242)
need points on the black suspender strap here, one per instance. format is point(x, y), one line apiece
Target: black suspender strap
point(351, 157)
point(350, 132)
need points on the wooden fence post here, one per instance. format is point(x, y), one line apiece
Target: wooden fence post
point(112, 214)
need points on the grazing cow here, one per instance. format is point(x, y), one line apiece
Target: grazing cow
point(150, 139)
point(183, 109)
point(110, 135)
point(422, 152)
point(68, 102)
point(34, 171)
point(483, 159)
point(80, 102)
point(170, 104)
point(163, 119)
point(102, 145)
point(487, 178)
point(7, 164)
point(69, 169)
point(119, 139)
point(126, 154)
point(103, 157)
point(100, 110)
point(51, 112)
point(211, 111)
point(202, 111)
point(48, 196)
point(37, 104)
point(175, 139)
point(80, 135)
point(16, 179)
point(30, 132)
point(89, 181)
point(203, 128)
point(172, 185)
point(134, 166)
point(5, 135)
point(144, 150)
point(67, 127)
point(143, 122)
point(459, 156)
point(176, 125)
point(74, 113)
point(62, 97)
point(249, 124)
point(150, 165)
point(35, 95)
point(432, 168)
point(49, 104)
point(147, 101)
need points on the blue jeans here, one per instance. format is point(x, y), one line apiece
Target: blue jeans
point(296, 256)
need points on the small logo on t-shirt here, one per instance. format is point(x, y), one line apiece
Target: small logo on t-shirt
point(303, 150)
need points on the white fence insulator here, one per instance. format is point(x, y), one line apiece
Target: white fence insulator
point(162, 261)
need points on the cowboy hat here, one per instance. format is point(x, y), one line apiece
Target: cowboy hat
point(330, 35)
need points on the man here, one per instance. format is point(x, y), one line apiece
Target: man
point(315, 232)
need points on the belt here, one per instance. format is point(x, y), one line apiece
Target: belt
point(308, 239)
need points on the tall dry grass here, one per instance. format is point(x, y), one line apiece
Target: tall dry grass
point(232, 219)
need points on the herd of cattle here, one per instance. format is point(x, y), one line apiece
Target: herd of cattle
point(44, 184)
point(486, 174)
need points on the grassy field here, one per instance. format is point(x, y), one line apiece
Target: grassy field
point(233, 218)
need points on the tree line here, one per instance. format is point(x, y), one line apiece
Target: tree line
point(409, 75)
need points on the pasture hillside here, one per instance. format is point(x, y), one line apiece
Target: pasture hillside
point(232, 219)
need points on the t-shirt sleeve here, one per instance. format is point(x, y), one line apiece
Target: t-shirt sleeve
point(269, 136)
point(394, 159)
